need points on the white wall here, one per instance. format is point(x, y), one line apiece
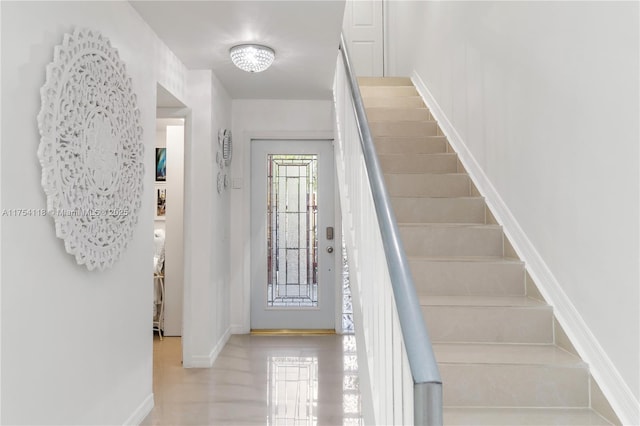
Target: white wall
point(207, 258)
point(543, 98)
point(404, 26)
point(76, 345)
point(262, 119)
point(174, 230)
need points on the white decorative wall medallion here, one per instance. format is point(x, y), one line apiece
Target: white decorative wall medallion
point(223, 158)
point(227, 147)
point(91, 149)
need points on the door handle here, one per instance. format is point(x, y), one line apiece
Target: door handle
point(330, 249)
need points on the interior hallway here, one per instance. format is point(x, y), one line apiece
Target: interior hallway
point(267, 380)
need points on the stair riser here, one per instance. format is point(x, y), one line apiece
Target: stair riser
point(452, 241)
point(509, 416)
point(388, 91)
point(433, 163)
point(398, 114)
point(439, 210)
point(384, 81)
point(428, 185)
point(489, 324)
point(475, 385)
point(410, 129)
point(423, 145)
point(402, 102)
point(459, 278)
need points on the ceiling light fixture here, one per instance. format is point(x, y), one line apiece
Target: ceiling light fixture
point(252, 57)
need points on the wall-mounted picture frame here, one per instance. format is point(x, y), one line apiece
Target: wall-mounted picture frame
point(161, 202)
point(161, 164)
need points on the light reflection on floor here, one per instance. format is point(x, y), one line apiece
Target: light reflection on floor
point(348, 325)
point(293, 390)
point(350, 384)
point(260, 380)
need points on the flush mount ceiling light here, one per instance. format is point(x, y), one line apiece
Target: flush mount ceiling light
point(252, 57)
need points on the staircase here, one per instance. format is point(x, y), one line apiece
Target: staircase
point(497, 343)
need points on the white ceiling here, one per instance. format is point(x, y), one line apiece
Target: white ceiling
point(304, 34)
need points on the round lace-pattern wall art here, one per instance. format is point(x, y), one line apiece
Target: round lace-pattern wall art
point(91, 149)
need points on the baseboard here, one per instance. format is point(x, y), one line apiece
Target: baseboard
point(220, 345)
point(239, 329)
point(602, 368)
point(140, 413)
point(206, 361)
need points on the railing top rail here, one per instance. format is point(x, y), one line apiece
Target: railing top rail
point(422, 361)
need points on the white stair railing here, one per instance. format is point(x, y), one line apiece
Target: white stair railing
point(400, 381)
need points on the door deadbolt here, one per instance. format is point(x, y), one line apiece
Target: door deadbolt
point(330, 249)
point(329, 232)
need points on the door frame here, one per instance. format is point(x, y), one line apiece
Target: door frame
point(241, 234)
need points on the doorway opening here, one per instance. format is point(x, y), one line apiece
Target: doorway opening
point(168, 226)
point(168, 211)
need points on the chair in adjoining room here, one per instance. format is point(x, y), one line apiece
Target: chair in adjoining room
point(158, 282)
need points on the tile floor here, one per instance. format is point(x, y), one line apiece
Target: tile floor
point(260, 380)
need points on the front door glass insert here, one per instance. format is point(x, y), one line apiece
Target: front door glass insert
point(292, 243)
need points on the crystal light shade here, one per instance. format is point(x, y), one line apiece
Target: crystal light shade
point(252, 57)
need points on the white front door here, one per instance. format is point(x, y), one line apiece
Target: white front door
point(292, 239)
point(363, 30)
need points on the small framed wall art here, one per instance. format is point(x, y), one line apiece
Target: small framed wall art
point(161, 202)
point(161, 164)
